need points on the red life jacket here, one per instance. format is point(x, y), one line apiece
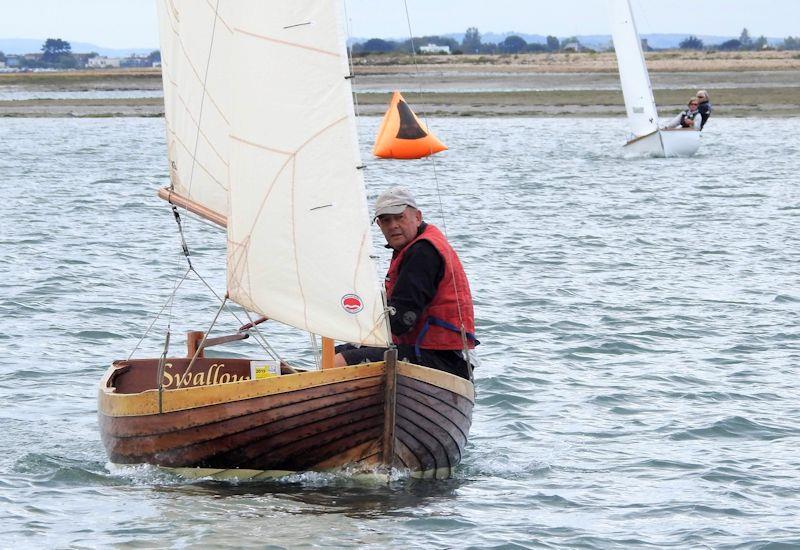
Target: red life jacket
point(439, 326)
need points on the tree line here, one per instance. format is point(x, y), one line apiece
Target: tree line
point(744, 43)
point(57, 54)
point(472, 43)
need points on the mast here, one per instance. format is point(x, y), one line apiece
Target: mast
point(634, 78)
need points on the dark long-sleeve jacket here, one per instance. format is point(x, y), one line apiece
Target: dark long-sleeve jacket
point(420, 274)
point(704, 109)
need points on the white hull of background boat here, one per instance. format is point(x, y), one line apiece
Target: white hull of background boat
point(665, 143)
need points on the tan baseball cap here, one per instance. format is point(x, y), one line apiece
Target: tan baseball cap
point(394, 201)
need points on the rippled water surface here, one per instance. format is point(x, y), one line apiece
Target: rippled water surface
point(639, 320)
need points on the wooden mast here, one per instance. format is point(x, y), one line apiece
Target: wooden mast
point(327, 353)
point(193, 339)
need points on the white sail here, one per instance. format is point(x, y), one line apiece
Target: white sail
point(299, 245)
point(195, 50)
point(636, 88)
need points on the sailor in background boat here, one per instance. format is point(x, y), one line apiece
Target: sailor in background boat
point(704, 106)
point(688, 118)
point(430, 304)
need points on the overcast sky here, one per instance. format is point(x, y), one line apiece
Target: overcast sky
point(132, 23)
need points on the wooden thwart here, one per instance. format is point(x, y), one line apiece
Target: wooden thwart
point(194, 339)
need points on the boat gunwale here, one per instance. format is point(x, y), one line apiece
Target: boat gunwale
point(113, 404)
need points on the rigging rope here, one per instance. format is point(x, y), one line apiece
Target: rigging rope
point(349, 48)
point(202, 99)
point(169, 302)
point(264, 344)
point(439, 195)
point(160, 373)
point(203, 341)
point(176, 215)
point(185, 247)
point(357, 110)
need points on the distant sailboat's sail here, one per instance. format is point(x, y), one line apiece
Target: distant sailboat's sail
point(639, 102)
point(195, 50)
point(299, 241)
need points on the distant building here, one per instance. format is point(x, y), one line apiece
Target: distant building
point(103, 62)
point(573, 47)
point(2, 64)
point(135, 61)
point(82, 59)
point(434, 48)
point(13, 61)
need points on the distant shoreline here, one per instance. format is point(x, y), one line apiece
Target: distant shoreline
point(763, 84)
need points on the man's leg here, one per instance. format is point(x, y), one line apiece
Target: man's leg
point(348, 354)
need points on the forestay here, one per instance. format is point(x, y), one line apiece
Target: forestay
point(195, 51)
point(636, 88)
point(299, 242)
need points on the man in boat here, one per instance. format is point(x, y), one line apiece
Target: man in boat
point(703, 107)
point(430, 304)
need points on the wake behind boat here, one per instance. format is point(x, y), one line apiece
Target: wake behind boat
point(262, 141)
point(648, 137)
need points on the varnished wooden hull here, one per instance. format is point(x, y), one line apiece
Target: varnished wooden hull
point(316, 420)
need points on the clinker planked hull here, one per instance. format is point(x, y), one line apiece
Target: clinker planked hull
point(319, 420)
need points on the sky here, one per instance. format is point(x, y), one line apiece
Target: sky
point(132, 23)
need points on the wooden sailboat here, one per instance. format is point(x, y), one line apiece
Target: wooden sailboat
point(402, 135)
point(648, 138)
point(262, 141)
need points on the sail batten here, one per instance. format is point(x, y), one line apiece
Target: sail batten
point(636, 88)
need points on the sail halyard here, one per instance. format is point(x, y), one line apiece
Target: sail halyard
point(195, 45)
point(299, 241)
point(634, 78)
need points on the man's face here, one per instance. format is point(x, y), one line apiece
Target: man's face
point(400, 229)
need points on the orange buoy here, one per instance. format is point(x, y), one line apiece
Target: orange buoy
point(402, 135)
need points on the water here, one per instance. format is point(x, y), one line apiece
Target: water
point(639, 320)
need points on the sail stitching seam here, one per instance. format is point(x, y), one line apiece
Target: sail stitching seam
point(197, 124)
point(204, 83)
point(285, 42)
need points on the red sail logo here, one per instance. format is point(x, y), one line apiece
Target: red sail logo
point(352, 303)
